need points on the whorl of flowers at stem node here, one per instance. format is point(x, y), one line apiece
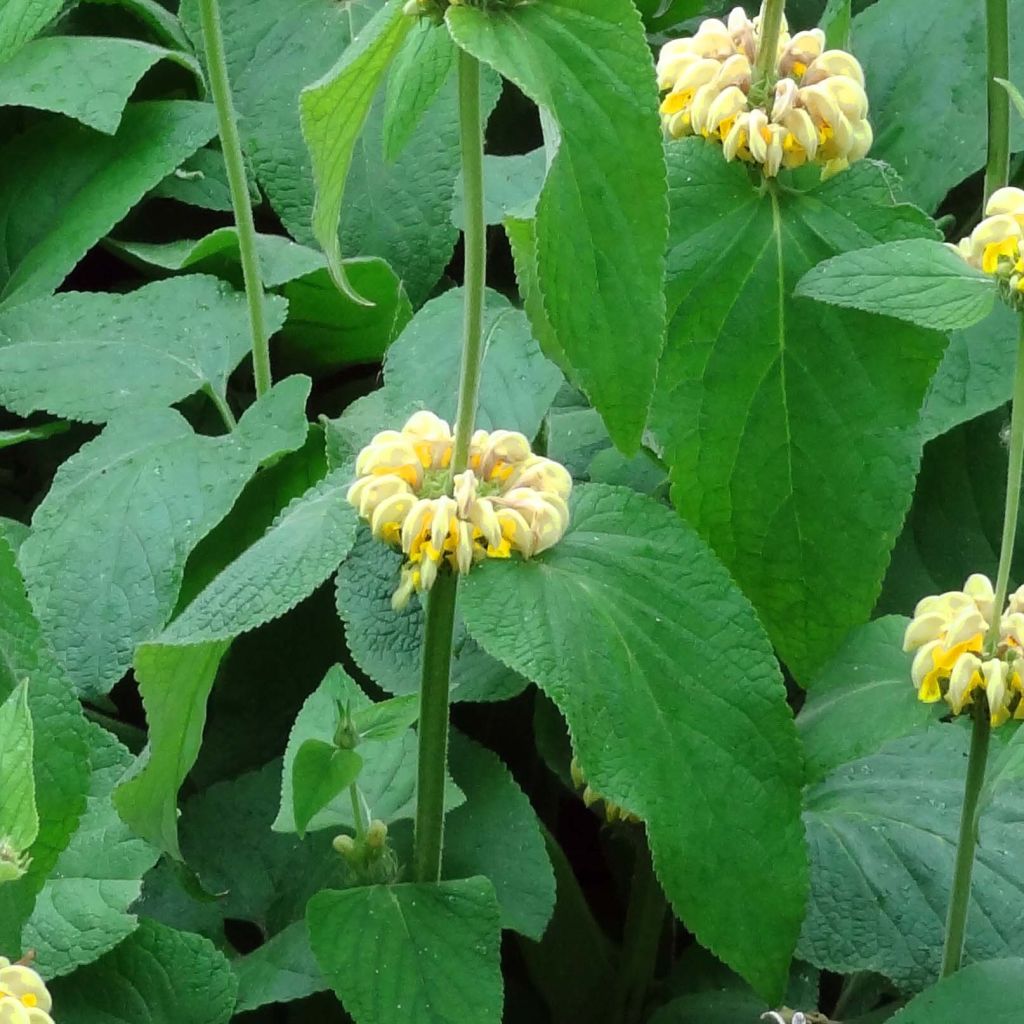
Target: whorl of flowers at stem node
point(507, 500)
point(816, 112)
point(996, 245)
point(24, 998)
point(955, 659)
point(612, 812)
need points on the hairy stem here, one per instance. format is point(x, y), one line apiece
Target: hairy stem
point(997, 167)
point(227, 126)
point(358, 817)
point(440, 624)
point(766, 63)
point(960, 895)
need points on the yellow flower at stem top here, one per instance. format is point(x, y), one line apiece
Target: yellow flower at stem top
point(996, 245)
point(24, 998)
point(507, 499)
point(949, 633)
point(818, 114)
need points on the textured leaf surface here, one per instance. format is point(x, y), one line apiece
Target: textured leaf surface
point(987, 991)
point(411, 954)
point(156, 976)
point(174, 683)
point(495, 833)
point(511, 186)
point(102, 583)
point(882, 833)
point(788, 424)
point(302, 548)
point(202, 180)
point(19, 819)
point(928, 112)
point(20, 20)
point(53, 210)
point(666, 720)
point(917, 280)
point(601, 215)
point(861, 699)
point(320, 772)
point(282, 969)
point(89, 79)
point(91, 355)
point(83, 909)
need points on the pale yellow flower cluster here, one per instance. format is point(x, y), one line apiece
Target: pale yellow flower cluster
point(996, 245)
point(508, 499)
point(24, 998)
point(949, 633)
point(613, 812)
point(818, 113)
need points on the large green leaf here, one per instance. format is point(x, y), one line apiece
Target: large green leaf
point(20, 20)
point(788, 424)
point(156, 976)
point(918, 280)
point(19, 819)
point(52, 210)
point(925, 69)
point(861, 699)
point(670, 720)
point(334, 111)
point(411, 954)
point(101, 583)
point(988, 992)
point(882, 833)
point(306, 543)
point(601, 216)
point(89, 355)
point(89, 79)
point(280, 970)
point(83, 909)
point(174, 683)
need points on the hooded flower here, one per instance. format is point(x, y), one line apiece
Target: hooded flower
point(24, 998)
point(996, 245)
point(506, 500)
point(819, 109)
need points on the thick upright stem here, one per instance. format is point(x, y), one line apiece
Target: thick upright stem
point(227, 124)
point(998, 30)
point(960, 895)
point(766, 64)
point(440, 624)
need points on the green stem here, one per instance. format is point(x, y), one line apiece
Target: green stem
point(433, 728)
point(358, 818)
point(440, 624)
point(997, 168)
point(766, 63)
point(1013, 484)
point(960, 896)
point(645, 922)
point(222, 407)
point(472, 139)
point(227, 124)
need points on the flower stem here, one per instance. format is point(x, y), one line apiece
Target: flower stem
point(227, 126)
point(766, 63)
point(358, 818)
point(440, 618)
point(960, 895)
point(997, 167)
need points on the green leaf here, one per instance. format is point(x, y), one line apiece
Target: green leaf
point(511, 186)
point(411, 954)
point(666, 720)
point(100, 584)
point(916, 280)
point(496, 833)
point(89, 355)
point(53, 210)
point(174, 683)
point(202, 180)
point(388, 777)
point(89, 79)
point(387, 645)
point(836, 24)
point(988, 992)
point(20, 20)
point(882, 833)
point(421, 67)
point(928, 112)
point(1016, 97)
point(601, 215)
point(976, 373)
point(306, 543)
point(320, 771)
point(83, 909)
point(522, 237)
point(861, 699)
point(333, 112)
point(813, 407)
point(517, 383)
point(387, 718)
point(279, 971)
point(156, 976)
point(19, 819)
